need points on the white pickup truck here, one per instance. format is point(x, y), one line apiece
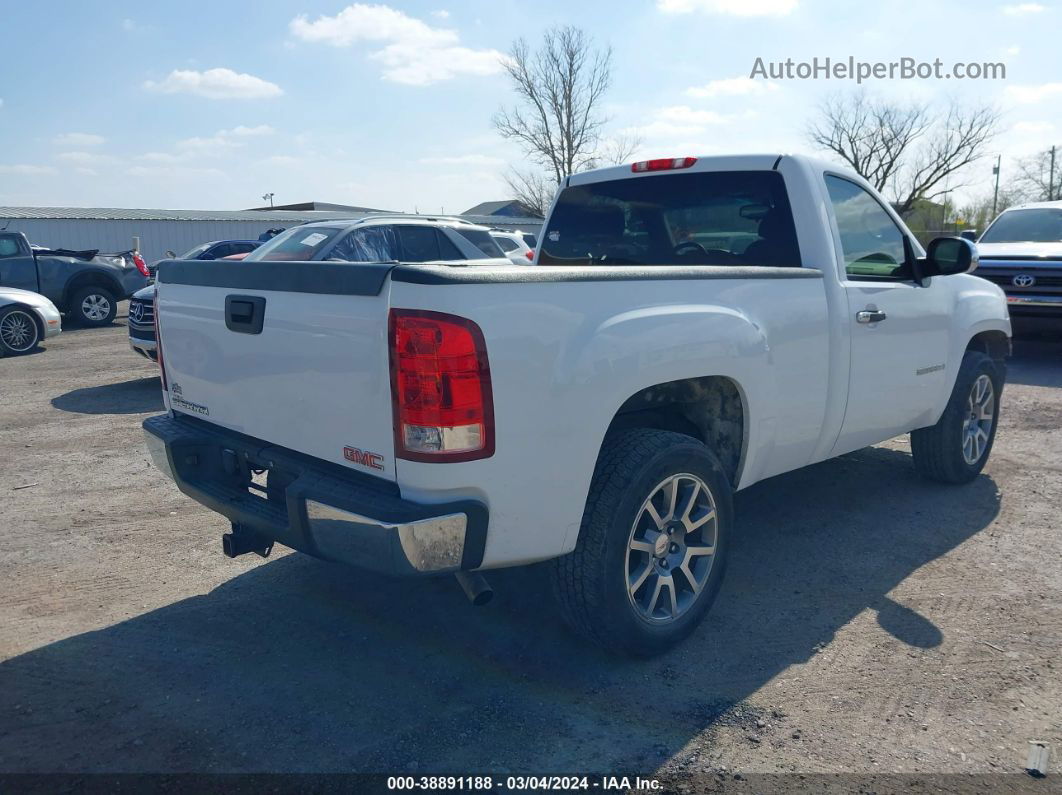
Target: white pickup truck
point(691, 326)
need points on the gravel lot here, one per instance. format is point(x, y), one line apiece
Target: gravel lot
point(869, 623)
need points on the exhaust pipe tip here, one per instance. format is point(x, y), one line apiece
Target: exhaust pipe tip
point(475, 586)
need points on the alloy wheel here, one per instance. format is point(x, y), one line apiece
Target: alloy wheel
point(980, 414)
point(671, 548)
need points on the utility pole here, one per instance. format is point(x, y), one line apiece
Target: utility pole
point(1051, 179)
point(995, 195)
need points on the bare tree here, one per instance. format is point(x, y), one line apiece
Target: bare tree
point(558, 119)
point(906, 151)
point(533, 189)
point(1035, 177)
point(560, 87)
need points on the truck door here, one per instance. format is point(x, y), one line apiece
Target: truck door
point(898, 329)
point(17, 266)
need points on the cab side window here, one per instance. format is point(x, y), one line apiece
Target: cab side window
point(874, 247)
point(9, 246)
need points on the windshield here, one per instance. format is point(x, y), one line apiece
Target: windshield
point(706, 218)
point(1025, 226)
point(298, 244)
point(195, 252)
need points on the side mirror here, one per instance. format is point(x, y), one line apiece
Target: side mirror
point(948, 255)
point(171, 254)
point(969, 234)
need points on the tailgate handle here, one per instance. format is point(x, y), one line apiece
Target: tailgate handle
point(244, 313)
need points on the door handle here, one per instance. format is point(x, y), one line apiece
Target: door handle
point(870, 316)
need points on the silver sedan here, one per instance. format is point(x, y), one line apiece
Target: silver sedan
point(25, 319)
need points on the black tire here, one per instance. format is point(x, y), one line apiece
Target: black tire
point(84, 299)
point(938, 450)
point(20, 332)
point(591, 583)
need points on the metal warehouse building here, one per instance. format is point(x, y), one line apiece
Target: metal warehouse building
point(159, 231)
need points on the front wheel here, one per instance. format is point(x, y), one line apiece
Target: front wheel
point(956, 449)
point(94, 306)
point(652, 547)
point(19, 332)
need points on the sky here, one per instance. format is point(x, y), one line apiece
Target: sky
point(211, 105)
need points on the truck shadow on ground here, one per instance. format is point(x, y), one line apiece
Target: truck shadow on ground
point(298, 665)
point(138, 396)
point(1036, 361)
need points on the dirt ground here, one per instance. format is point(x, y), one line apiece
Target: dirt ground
point(869, 622)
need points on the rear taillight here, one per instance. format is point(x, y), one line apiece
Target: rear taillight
point(140, 264)
point(440, 387)
point(158, 345)
point(530, 254)
point(663, 164)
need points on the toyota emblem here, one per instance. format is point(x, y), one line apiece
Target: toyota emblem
point(136, 311)
point(1023, 280)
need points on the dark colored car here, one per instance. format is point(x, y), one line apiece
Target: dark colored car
point(216, 249)
point(1022, 252)
point(86, 285)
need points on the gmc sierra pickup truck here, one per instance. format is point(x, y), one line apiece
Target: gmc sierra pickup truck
point(691, 326)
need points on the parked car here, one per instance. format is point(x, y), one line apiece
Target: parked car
point(1021, 251)
point(215, 249)
point(514, 246)
point(141, 322)
point(384, 238)
point(86, 285)
point(695, 325)
point(26, 318)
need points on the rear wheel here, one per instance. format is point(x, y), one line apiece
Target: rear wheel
point(19, 332)
point(94, 306)
point(956, 449)
point(652, 546)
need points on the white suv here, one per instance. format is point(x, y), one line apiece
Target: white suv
point(384, 238)
point(515, 246)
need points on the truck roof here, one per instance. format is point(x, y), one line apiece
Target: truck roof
point(405, 220)
point(765, 161)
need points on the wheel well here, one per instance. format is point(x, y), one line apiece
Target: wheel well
point(709, 408)
point(995, 343)
point(90, 279)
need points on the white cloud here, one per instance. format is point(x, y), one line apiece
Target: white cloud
point(736, 8)
point(78, 139)
point(246, 132)
point(441, 13)
point(1013, 50)
point(1033, 127)
point(677, 120)
point(223, 140)
point(215, 84)
point(85, 158)
point(87, 172)
point(173, 172)
point(1022, 9)
point(463, 160)
point(26, 169)
point(733, 87)
point(281, 160)
point(1032, 95)
point(413, 52)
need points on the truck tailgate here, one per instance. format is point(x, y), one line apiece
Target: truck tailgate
point(302, 364)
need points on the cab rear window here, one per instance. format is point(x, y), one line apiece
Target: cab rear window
point(706, 218)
